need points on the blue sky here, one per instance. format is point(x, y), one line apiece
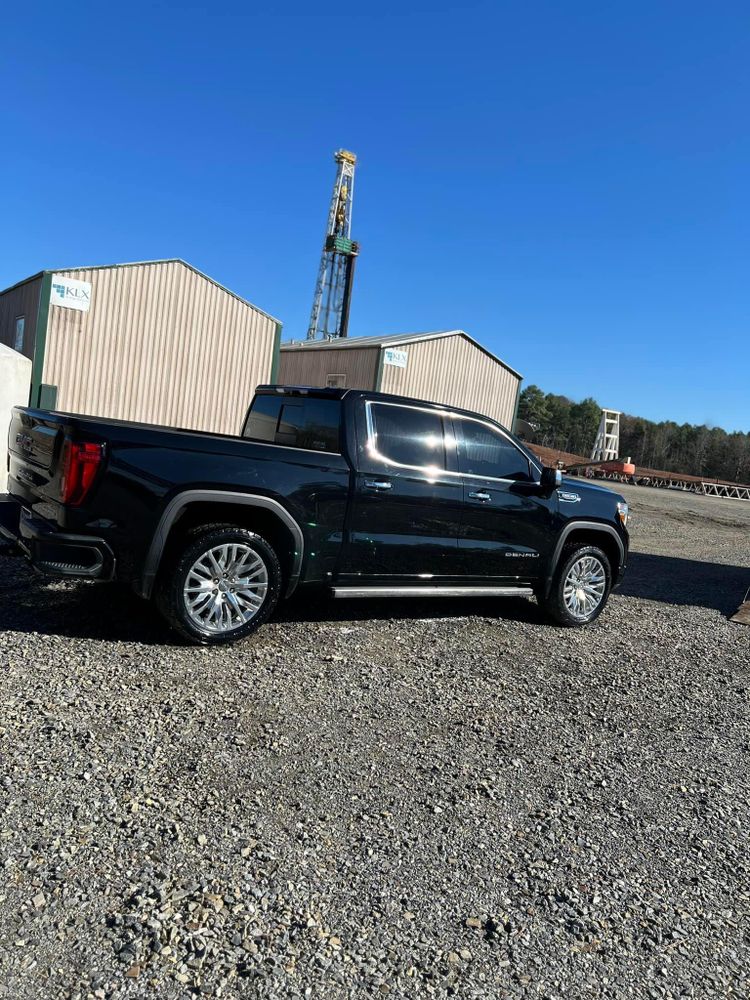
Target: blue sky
point(568, 182)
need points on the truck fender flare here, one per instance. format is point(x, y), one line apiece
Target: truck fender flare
point(178, 503)
point(569, 528)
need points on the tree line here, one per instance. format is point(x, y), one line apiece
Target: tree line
point(694, 449)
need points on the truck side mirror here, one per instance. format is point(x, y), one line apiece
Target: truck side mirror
point(551, 479)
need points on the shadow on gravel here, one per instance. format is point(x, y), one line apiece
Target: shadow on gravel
point(109, 611)
point(75, 609)
point(321, 608)
point(685, 582)
point(29, 603)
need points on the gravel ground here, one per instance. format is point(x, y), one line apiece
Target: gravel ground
point(376, 799)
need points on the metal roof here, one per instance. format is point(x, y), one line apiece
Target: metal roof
point(389, 340)
point(142, 263)
point(327, 392)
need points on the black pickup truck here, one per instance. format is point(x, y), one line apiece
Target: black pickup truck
point(361, 493)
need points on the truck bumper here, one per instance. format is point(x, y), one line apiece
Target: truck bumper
point(53, 552)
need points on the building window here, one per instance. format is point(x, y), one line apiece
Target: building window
point(485, 452)
point(297, 423)
point(335, 381)
point(18, 339)
point(404, 435)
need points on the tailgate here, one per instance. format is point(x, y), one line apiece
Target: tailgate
point(35, 444)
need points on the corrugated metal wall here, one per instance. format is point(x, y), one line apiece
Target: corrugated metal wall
point(451, 370)
point(23, 300)
point(312, 366)
point(161, 344)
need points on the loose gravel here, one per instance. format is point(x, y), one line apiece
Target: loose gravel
point(412, 799)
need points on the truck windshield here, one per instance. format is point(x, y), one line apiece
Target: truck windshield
point(297, 422)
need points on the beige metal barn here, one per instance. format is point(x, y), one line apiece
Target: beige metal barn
point(448, 367)
point(156, 341)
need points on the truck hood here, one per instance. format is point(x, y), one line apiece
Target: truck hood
point(584, 488)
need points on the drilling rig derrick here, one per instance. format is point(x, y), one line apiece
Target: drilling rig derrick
point(333, 289)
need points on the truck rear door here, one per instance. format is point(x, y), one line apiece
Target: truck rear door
point(407, 497)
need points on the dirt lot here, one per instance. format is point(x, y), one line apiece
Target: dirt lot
point(370, 799)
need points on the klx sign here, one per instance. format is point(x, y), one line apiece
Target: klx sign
point(70, 293)
point(395, 357)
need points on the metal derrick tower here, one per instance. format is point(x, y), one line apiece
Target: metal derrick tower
point(607, 445)
point(333, 290)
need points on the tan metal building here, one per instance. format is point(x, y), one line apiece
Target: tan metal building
point(448, 367)
point(157, 342)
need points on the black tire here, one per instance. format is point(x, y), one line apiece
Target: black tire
point(170, 594)
point(555, 604)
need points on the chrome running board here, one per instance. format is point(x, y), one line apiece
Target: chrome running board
point(437, 591)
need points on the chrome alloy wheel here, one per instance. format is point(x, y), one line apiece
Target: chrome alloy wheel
point(225, 587)
point(584, 587)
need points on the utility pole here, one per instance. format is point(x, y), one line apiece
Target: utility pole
point(333, 289)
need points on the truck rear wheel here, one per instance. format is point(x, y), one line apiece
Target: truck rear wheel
point(580, 587)
point(221, 585)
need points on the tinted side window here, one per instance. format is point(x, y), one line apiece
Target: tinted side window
point(294, 422)
point(263, 419)
point(310, 423)
point(408, 436)
point(485, 452)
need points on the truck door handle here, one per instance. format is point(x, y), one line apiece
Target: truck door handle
point(378, 484)
point(480, 496)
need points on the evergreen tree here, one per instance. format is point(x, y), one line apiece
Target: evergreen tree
point(689, 448)
point(532, 406)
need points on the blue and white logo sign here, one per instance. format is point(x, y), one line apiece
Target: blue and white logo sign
point(395, 357)
point(70, 293)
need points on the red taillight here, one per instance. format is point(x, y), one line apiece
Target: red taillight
point(80, 463)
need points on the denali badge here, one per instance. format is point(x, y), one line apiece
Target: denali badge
point(569, 497)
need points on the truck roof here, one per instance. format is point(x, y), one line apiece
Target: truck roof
point(330, 393)
point(340, 393)
point(305, 390)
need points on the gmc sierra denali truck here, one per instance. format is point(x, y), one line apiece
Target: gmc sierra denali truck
point(362, 493)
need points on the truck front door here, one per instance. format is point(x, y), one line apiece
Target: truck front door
point(507, 526)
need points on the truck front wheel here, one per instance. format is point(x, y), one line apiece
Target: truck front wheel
point(580, 587)
point(221, 585)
